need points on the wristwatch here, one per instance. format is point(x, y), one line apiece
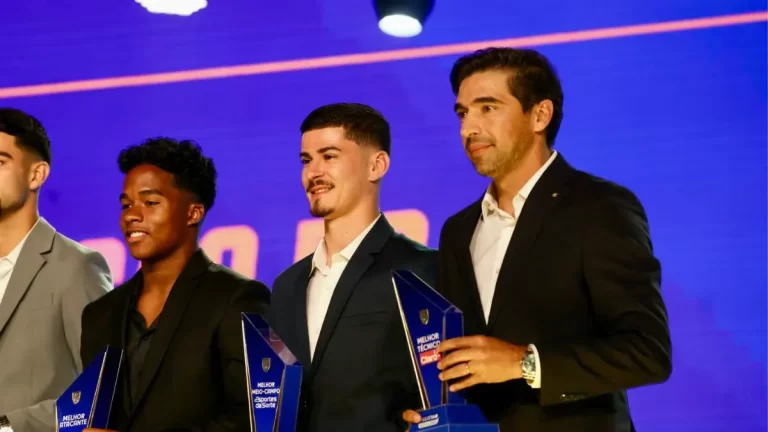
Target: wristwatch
point(528, 365)
point(5, 425)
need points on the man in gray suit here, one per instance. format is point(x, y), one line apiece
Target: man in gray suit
point(46, 280)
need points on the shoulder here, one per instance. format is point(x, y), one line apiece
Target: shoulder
point(409, 249)
point(291, 273)
point(600, 194)
point(107, 304)
point(224, 279)
point(69, 252)
point(77, 269)
point(465, 216)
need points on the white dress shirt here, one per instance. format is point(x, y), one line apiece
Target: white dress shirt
point(322, 283)
point(490, 241)
point(8, 262)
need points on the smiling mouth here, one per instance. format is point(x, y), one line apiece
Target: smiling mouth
point(319, 190)
point(475, 150)
point(134, 236)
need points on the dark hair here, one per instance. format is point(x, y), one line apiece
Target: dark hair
point(192, 171)
point(28, 131)
point(533, 78)
point(362, 124)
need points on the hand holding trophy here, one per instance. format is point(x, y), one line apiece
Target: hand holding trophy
point(428, 320)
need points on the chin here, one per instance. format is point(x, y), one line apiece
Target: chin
point(320, 212)
point(140, 253)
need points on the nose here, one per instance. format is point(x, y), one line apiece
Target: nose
point(315, 169)
point(132, 214)
point(469, 128)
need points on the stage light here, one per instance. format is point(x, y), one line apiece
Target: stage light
point(402, 18)
point(173, 7)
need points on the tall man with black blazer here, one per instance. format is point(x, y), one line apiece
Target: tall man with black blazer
point(553, 267)
point(178, 318)
point(46, 279)
point(336, 308)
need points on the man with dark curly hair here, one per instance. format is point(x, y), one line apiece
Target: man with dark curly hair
point(178, 318)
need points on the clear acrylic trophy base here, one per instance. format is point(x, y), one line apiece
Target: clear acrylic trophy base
point(453, 418)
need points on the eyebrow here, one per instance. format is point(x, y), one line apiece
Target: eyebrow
point(5, 155)
point(321, 151)
point(479, 100)
point(142, 193)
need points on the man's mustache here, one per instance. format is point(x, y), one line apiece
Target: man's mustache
point(315, 183)
point(478, 139)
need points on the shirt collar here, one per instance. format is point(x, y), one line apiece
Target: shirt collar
point(13, 257)
point(320, 257)
point(490, 205)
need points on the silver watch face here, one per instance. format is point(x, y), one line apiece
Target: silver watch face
point(529, 364)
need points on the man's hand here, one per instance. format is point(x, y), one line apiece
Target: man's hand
point(479, 359)
point(412, 417)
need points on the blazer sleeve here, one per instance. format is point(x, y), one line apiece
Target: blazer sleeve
point(89, 283)
point(623, 278)
point(252, 297)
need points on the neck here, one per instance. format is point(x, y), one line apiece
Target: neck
point(159, 276)
point(508, 185)
point(340, 231)
point(15, 226)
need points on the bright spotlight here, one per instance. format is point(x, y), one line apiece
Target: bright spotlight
point(402, 18)
point(173, 7)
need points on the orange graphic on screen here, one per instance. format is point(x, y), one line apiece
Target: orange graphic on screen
point(113, 251)
point(410, 222)
point(241, 240)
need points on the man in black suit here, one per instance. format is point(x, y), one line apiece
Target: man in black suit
point(336, 308)
point(178, 318)
point(561, 298)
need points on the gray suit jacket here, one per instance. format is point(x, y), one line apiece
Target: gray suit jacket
point(40, 315)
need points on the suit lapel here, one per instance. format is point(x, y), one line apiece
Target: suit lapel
point(301, 284)
point(32, 258)
point(473, 315)
point(356, 267)
point(543, 199)
point(169, 320)
point(120, 321)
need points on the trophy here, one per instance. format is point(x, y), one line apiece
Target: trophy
point(428, 319)
point(88, 401)
point(273, 375)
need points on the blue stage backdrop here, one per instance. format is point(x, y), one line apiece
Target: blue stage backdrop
point(678, 114)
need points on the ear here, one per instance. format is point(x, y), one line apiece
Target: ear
point(542, 115)
point(38, 174)
point(379, 166)
point(196, 214)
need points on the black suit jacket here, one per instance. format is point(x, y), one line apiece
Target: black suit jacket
point(579, 280)
point(193, 377)
point(361, 377)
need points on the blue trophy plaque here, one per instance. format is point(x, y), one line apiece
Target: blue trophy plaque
point(273, 375)
point(428, 319)
point(88, 401)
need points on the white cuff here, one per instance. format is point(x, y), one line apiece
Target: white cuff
point(536, 381)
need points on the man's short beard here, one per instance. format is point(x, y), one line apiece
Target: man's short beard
point(319, 212)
